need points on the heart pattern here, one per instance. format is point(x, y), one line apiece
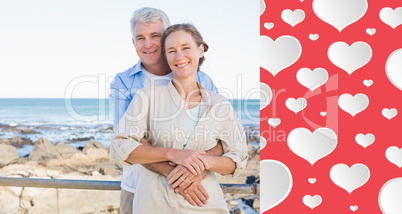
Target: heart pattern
point(353, 46)
point(279, 54)
point(349, 58)
point(312, 146)
point(312, 201)
point(353, 104)
point(334, 13)
point(293, 17)
point(296, 105)
point(351, 178)
point(391, 17)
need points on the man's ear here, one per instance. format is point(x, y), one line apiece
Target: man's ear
point(133, 42)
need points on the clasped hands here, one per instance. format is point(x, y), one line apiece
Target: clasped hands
point(185, 178)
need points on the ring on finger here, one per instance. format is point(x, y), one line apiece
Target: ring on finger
point(182, 178)
point(189, 181)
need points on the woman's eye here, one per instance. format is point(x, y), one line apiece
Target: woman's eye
point(171, 51)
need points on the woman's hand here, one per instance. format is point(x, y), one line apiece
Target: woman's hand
point(194, 161)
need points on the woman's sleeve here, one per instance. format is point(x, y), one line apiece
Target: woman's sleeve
point(233, 139)
point(130, 129)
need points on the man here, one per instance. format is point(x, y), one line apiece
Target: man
point(147, 27)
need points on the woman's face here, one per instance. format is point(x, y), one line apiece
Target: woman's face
point(182, 54)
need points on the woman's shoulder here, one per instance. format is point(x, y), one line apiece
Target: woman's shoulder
point(217, 98)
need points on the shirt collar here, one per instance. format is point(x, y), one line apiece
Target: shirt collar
point(206, 99)
point(136, 68)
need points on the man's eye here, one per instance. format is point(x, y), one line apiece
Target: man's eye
point(140, 38)
point(156, 35)
point(186, 48)
point(171, 51)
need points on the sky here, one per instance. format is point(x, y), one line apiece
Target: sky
point(63, 49)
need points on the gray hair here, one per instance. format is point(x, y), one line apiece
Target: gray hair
point(148, 15)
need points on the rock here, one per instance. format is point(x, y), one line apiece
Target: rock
point(233, 203)
point(238, 211)
point(16, 141)
point(29, 131)
point(80, 139)
point(7, 154)
point(96, 150)
point(92, 145)
point(64, 150)
point(256, 204)
point(44, 149)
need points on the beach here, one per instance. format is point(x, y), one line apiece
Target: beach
point(84, 158)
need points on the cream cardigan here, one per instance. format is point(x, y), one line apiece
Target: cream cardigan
point(159, 114)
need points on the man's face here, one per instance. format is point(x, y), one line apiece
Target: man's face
point(147, 41)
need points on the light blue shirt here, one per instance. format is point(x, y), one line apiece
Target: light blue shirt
point(192, 117)
point(127, 83)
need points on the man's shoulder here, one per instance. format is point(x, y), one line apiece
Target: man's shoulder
point(125, 76)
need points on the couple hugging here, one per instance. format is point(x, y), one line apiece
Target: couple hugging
point(172, 130)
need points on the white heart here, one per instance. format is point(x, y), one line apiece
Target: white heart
point(274, 122)
point(353, 104)
point(263, 142)
point(278, 55)
point(293, 17)
point(365, 140)
point(312, 79)
point(323, 113)
point(269, 25)
point(262, 7)
point(394, 155)
point(389, 113)
point(276, 181)
point(313, 36)
point(339, 13)
point(312, 146)
point(393, 68)
point(312, 180)
point(351, 178)
point(390, 195)
point(312, 201)
point(296, 105)
point(368, 83)
point(354, 207)
point(265, 95)
point(371, 31)
point(349, 58)
point(391, 17)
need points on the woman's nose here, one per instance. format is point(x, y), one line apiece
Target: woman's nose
point(179, 54)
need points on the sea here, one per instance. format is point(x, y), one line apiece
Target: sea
point(74, 121)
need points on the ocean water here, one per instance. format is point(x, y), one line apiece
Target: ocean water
point(71, 119)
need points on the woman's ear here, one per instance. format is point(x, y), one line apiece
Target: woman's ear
point(201, 50)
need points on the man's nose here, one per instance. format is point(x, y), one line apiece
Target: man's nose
point(147, 43)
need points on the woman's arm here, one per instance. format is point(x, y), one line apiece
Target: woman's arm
point(222, 165)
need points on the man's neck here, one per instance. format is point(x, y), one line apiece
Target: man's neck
point(160, 69)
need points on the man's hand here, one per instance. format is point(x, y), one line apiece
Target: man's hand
point(180, 176)
point(195, 194)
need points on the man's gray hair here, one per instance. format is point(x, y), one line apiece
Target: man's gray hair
point(148, 15)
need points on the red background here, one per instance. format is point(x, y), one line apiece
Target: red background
point(382, 94)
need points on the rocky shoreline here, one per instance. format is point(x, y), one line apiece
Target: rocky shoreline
point(90, 162)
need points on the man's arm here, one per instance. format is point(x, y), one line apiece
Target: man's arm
point(193, 192)
point(164, 168)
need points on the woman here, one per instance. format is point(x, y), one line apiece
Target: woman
point(181, 120)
